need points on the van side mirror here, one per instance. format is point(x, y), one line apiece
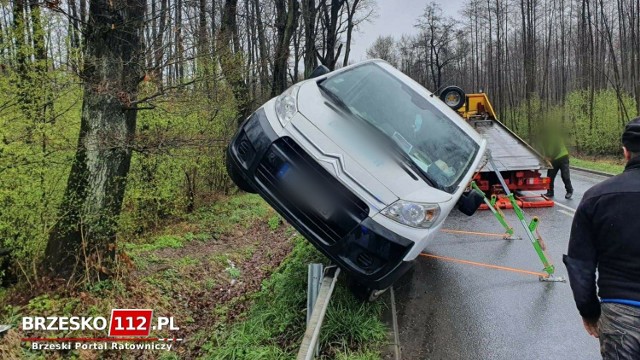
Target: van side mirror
point(469, 202)
point(319, 71)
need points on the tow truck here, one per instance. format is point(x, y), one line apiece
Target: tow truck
point(519, 164)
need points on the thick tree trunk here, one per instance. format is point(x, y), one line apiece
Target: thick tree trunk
point(83, 241)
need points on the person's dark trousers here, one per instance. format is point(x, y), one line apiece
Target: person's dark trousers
point(562, 165)
point(619, 331)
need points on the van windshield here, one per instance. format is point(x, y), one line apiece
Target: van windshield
point(435, 144)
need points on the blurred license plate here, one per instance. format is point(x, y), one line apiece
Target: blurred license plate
point(305, 191)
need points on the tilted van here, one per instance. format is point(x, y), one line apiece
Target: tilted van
point(363, 161)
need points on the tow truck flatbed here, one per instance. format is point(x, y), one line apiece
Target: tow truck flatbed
point(509, 152)
point(518, 163)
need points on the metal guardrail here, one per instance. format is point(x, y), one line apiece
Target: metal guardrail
point(314, 280)
point(318, 304)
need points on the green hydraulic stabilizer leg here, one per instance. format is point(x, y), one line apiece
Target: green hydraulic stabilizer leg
point(509, 233)
point(529, 229)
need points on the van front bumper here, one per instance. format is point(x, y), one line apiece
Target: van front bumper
point(314, 202)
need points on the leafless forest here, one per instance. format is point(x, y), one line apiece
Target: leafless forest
point(514, 50)
point(529, 53)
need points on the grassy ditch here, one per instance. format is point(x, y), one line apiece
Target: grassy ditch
point(607, 165)
point(274, 326)
point(233, 276)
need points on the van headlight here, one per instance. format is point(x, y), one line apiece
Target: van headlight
point(286, 105)
point(413, 214)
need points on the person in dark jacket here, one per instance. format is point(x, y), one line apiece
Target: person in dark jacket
point(605, 237)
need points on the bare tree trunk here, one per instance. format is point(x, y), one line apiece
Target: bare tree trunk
point(83, 13)
point(296, 56)
point(231, 58)
point(157, 45)
point(178, 44)
point(83, 240)
point(634, 34)
point(617, 84)
point(203, 42)
point(499, 59)
point(490, 63)
point(249, 34)
point(309, 18)
point(19, 35)
point(74, 24)
point(527, 8)
point(262, 44)
point(31, 55)
point(331, 16)
point(351, 11)
point(43, 99)
point(286, 23)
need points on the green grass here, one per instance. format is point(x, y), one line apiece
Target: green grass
point(203, 237)
point(274, 222)
point(161, 242)
point(273, 327)
point(235, 212)
point(186, 261)
point(230, 215)
point(606, 165)
point(234, 272)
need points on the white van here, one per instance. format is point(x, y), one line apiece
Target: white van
point(363, 161)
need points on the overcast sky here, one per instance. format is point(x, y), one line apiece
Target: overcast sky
point(395, 17)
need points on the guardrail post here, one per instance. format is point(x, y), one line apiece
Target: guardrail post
point(309, 344)
point(314, 278)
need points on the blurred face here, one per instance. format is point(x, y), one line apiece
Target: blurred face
point(627, 154)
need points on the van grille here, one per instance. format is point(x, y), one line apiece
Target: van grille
point(305, 191)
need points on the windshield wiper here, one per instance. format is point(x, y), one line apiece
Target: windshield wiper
point(408, 161)
point(412, 164)
point(335, 98)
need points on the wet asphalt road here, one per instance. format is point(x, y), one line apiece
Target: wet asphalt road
point(449, 310)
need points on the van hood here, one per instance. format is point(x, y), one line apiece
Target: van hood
point(360, 153)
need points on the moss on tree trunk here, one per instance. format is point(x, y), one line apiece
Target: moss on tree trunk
point(83, 240)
